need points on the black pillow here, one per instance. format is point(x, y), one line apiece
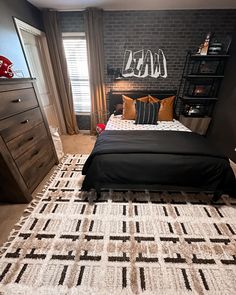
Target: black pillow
point(118, 109)
point(146, 113)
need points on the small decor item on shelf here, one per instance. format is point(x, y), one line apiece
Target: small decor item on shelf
point(5, 67)
point(209, 66)
point(194, 110)
point(205, 46)
point(199, 49)
point(202, 90)
point(215, 48)
point(206, 67)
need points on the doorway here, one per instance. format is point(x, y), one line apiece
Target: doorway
point(37, 55)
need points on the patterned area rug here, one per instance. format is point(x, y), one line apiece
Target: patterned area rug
point(124, 243)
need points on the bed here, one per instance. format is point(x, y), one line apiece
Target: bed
point(166, 156)
point(116, 123)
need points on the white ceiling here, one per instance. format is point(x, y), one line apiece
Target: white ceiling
point(135, 4)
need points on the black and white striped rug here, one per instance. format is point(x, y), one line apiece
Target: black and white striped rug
point(124, 243)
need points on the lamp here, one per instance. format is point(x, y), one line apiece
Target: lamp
point(118, 75)
point(116, 72)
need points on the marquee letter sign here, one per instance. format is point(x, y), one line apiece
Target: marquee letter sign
point(141, 65)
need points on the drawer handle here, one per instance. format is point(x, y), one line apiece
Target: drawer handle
point(24, 142)
point(34, 154)
point(17, 100)
point(41, 165)
point(25, 122)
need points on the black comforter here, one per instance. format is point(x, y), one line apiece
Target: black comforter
point(152, 158)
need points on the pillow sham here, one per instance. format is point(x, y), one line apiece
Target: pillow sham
point(166, 112)
point(129, 106)
point(118, 109)
point(146, 113)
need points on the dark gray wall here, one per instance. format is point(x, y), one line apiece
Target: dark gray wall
point(222, 131)
point(9, 42)
point(174, 32)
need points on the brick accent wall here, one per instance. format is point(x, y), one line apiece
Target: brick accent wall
point(174, 31)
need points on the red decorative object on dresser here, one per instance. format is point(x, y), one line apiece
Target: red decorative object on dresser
point(5, 67)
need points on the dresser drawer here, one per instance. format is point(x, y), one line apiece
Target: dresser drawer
point(34, 165)
point(27, 140)
point(10, 85)
point(14, 126)
point(16, 101)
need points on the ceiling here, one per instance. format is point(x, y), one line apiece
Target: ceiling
point(134, 4)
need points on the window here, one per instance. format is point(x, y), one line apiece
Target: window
point(77, 61)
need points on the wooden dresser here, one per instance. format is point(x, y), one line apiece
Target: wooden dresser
point(27, 152)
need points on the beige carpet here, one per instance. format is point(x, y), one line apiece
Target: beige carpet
point(124, 243)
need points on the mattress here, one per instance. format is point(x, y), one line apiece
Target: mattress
point(116, 123)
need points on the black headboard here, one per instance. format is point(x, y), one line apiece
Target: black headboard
point(115, 97)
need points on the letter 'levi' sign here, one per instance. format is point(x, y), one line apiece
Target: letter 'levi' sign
point(141, 65)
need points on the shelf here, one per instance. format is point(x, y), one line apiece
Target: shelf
point(198, 98)
point(195, 116)
point(210, 56)
point(202, 75)
point(205, 76)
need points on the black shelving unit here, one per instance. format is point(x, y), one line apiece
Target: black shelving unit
point(198, 90)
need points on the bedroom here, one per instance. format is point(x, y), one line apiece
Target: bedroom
point(128, 28)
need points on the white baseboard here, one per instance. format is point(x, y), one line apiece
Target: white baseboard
point(84, 132)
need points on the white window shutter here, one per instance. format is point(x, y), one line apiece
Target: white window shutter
point(77, 61)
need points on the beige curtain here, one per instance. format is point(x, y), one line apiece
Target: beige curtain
point(94, 36)
point(55, 45)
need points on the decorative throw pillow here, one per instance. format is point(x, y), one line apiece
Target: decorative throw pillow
point(166, 112)
point(118, 109)
point(129, 106)
point(146, 113)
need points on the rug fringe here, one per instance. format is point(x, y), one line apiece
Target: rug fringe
point(17, 227)
point(15, 289)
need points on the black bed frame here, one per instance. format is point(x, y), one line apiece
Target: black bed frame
point(114, 98)
point(216, 194)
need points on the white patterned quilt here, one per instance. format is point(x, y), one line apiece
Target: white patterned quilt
point(116, 123)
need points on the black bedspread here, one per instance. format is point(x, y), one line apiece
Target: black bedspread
point(157, 158)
